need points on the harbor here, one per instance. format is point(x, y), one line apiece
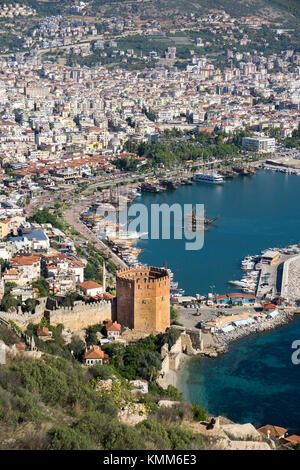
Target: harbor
point(250, 211)
point(260, 293)
point(112, 200)
point(272, 277)
point(248, 275)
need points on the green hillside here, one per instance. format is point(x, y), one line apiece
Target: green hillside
point(52, 404)
point(283, 10)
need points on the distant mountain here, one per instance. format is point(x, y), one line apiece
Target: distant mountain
point(286, 11)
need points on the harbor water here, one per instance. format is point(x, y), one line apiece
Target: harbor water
point(256, 380)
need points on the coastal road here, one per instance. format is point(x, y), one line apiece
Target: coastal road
point(72, 217)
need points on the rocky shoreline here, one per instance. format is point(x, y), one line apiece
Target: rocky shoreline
point(225, 339)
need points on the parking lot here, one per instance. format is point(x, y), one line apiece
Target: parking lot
point(193, 317)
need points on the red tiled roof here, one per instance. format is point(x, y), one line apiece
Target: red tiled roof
point(269, 307)
point(235, 294)
point(89, 285)
point(274, 431)
point(95, 352)
point(42, 331)
point(294, 439)
point(113, 326)
point(103, 296)
point(24, 260)
point(11, 272)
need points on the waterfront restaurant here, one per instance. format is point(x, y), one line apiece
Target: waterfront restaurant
point(241, 299)
point(235, 299)
point(224, 323)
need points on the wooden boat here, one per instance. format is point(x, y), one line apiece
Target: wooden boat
point(194, 220)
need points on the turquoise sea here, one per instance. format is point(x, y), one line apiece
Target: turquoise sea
point(256, 380)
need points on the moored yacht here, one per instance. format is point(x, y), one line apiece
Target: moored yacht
point(213, 178)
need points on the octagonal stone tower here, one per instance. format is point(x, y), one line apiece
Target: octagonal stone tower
point(143, 298)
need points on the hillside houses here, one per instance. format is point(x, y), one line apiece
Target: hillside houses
point(94, 355)
point(23, 270)
point(60, 264)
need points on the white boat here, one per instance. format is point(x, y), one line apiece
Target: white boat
point(213, 178)
point(171, 274)
point(250, 278)
point(124, 234)
point(121, 234)
point(239, 283)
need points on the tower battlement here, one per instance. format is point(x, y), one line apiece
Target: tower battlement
point(135, 272)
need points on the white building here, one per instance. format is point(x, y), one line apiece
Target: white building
point(90, 288)
point(259, 144)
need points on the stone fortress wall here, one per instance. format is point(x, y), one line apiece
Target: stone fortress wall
point(143, 298)
point(81, 315)
point(189, 343)
point(23, 319)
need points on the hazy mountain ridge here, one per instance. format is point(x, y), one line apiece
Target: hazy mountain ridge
point(286, 11)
